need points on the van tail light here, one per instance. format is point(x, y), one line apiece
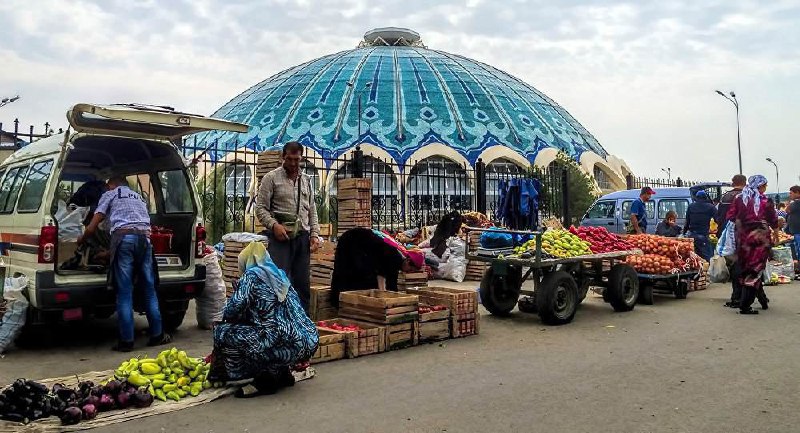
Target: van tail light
point(200, 241)
point(48, 240)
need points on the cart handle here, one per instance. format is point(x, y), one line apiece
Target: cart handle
point(536, 234)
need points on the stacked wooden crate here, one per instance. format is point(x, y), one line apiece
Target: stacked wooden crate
point(354, 197)
point(322, 264)
point(475, 269)
point(320, 305)
point(463, 305)
point(411, 280)
point(267, 161)
point(332, 346)
point(434, 323)
point(398, 312)
point(368, 339)
point(230, 263)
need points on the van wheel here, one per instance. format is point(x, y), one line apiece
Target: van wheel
point(171, 320)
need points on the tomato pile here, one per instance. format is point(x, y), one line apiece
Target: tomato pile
point(429, 309)
point(601, 240)
point(337, 327)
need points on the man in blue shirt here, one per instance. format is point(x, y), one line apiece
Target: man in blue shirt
point(639, 211)
point(698, 224)
point(131, 254)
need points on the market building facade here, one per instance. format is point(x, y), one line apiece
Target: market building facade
point(413, 111)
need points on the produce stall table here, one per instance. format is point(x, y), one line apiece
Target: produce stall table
point(677, 283)
point(559, 284)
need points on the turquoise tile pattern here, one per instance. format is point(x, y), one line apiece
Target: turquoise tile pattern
point(416, 96)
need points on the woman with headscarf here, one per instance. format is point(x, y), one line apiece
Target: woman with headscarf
point(264, 330)
point(370, 259)
point(754, 215)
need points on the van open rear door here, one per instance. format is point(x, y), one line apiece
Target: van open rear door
point(144, 121)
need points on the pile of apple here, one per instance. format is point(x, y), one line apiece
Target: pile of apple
point(601, 240)
point(338, 327)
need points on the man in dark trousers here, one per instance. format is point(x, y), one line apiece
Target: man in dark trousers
point(698, 224)
point(131, 256)
point(285, 205)
point(725, 202)
point(793, 218)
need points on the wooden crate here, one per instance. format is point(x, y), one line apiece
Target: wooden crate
point(475, 269)
point(379, 306)
point(401, 336)
point(411, 280)
point(320, 305)
point(332, 346)
point(354, 198)
point(369, 340)
point(463, 305)
point(230, 260)
point(433, 326)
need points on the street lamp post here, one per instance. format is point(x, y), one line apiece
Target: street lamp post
point(777, 175)
point(735, 103)
point(668, 171)
point(359, 92)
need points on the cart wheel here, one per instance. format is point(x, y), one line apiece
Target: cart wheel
point(623, 287)
point(646, 294)
point(557, 298)
point(499, 293)
point(681, 290)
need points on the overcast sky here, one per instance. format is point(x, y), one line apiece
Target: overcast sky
point(639, 75)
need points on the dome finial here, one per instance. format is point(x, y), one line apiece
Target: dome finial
point(391, 36)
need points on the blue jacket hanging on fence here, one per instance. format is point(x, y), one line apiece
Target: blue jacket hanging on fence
point(518, 207)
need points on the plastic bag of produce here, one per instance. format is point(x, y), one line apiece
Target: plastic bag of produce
point(70, 221)
point(726, 246)
point(211, 300)
point(454, 269)
point(495, 239)
point(13, 320)
point(718, 270)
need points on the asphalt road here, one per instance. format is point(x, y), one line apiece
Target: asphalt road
point(677, 366)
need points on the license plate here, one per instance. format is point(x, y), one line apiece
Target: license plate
point(73, 314)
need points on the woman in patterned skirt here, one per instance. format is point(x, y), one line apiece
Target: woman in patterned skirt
point(264, 331)
point(753, 214)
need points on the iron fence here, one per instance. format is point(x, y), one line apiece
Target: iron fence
point(634, 182)
point(403, 197)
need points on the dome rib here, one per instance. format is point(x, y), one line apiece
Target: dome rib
point(350, 91)
point(490, 95)
point(448, 96)
point(292, 111)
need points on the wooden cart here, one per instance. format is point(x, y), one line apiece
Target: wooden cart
point(559, 285)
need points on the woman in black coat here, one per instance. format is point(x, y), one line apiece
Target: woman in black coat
point(362, 255)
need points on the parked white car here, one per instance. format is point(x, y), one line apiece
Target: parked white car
point(136, 141)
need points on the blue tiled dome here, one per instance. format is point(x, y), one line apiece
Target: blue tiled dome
point(411, 96)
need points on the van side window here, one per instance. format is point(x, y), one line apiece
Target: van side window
point(9, 189)
point(602, 209)
point(32, 192)
point(680, 207)
point(650, 207)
